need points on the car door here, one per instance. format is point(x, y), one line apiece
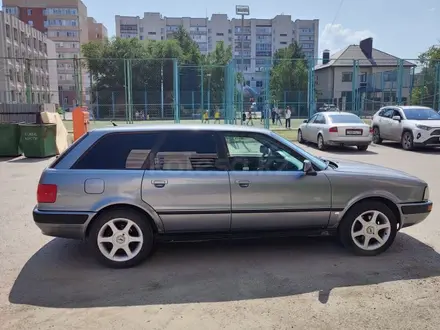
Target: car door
point(385, 122)
point(319, 124)
point(186, 183)
point(269, 190)
point(395, 128)
point(308, 128)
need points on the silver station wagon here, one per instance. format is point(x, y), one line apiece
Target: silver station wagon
point(124, 188)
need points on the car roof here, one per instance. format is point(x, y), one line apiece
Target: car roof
point(336, 113)
point(177, 127)
point(406, 107)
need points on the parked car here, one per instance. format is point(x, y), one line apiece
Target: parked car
point(124, 188)
point(412, 126)
point(328, 107)
point(335, 129)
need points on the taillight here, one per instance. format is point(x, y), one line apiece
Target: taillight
point(47, 193)
point(371, 130)
point(333, 130)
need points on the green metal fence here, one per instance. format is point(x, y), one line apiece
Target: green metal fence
point(162, 90)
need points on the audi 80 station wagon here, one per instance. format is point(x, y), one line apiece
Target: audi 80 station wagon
point(123, 188)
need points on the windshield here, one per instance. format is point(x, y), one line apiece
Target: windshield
point(317, 161)
point(345, 119)
point(421, 114)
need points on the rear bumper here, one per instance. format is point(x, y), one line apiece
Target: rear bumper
point(414, 213)
point(350, 141)
point(62, 224)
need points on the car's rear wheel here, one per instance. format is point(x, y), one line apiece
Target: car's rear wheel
point(121, 238)
point(321, 143)
point(300, 137)
point(362, 147)
point(368, 228)
point(376, 135)
point(407, 141)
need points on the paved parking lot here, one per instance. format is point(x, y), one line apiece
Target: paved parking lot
point(281, 284)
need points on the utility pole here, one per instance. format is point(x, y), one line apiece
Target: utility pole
point(242, 10)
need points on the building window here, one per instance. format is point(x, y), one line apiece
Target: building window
point(219, 34)
point(31, 23)
point(11, 10)
point(347, 76)
point(283, 43)
point(283, 34)
point(141, 29)
point(151, 33)
point(141, 37)
point(60, 11)
point(29, 12)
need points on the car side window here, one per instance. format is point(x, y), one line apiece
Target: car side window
point(118, 151)
point(257, 152)
point(312, 119)
point(320, 119)
point(187, 151)
point(388, 113)
point(397, 113)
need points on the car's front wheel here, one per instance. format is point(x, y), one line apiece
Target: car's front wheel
point(121, 238)
point(300, 137)
point(407, 141)
point(368, 228)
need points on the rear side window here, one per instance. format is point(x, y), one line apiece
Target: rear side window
point(118, 151)
point(187, 151)
point(68, 150)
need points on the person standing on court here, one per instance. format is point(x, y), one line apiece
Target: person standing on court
point(288, 115)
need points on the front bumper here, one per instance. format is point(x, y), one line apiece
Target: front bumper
point(414, 213)
point(423, 138)
point(62, 224)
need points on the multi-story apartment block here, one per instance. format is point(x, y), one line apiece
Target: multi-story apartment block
point(28, 72)
point(97, 31)
point(64, 22)
point(253, 46)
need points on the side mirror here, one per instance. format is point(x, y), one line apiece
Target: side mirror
point(305, 121)
point(397, 118)
point(308, 168)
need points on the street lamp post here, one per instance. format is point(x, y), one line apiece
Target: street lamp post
point(242, 10)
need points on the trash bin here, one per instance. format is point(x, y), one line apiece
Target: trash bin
point(38, 140)
point(9, 140)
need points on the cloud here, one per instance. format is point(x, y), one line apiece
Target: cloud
point(335, 37)
point(431, 9)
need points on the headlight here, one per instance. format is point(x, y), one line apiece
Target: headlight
point(426, 194)
point(424, 127)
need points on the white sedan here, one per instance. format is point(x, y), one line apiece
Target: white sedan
point(335, 129)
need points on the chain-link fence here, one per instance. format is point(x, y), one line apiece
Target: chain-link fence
point(163, 90)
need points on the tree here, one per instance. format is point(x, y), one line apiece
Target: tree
point(289, 73)
point(215, 67)
point(427, 81)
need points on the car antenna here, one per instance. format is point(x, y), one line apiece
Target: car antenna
point(113, 123)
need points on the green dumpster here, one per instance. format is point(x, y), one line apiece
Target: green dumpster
point(38, 140)
point(9, 140)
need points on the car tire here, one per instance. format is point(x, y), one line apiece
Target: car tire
point(362, 147)
point(357, 231)
point(300, 138)
point(115, 245)
point(376, 135)
point(407, 141)
point(321, 143)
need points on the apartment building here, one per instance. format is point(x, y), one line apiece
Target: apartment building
point(27, 69)
point(65, 23)
point(97, 31)
point(253, 45)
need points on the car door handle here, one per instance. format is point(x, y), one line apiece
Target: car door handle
point(243, 184)
point(159, 183)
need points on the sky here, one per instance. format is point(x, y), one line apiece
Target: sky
point(403, 28)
